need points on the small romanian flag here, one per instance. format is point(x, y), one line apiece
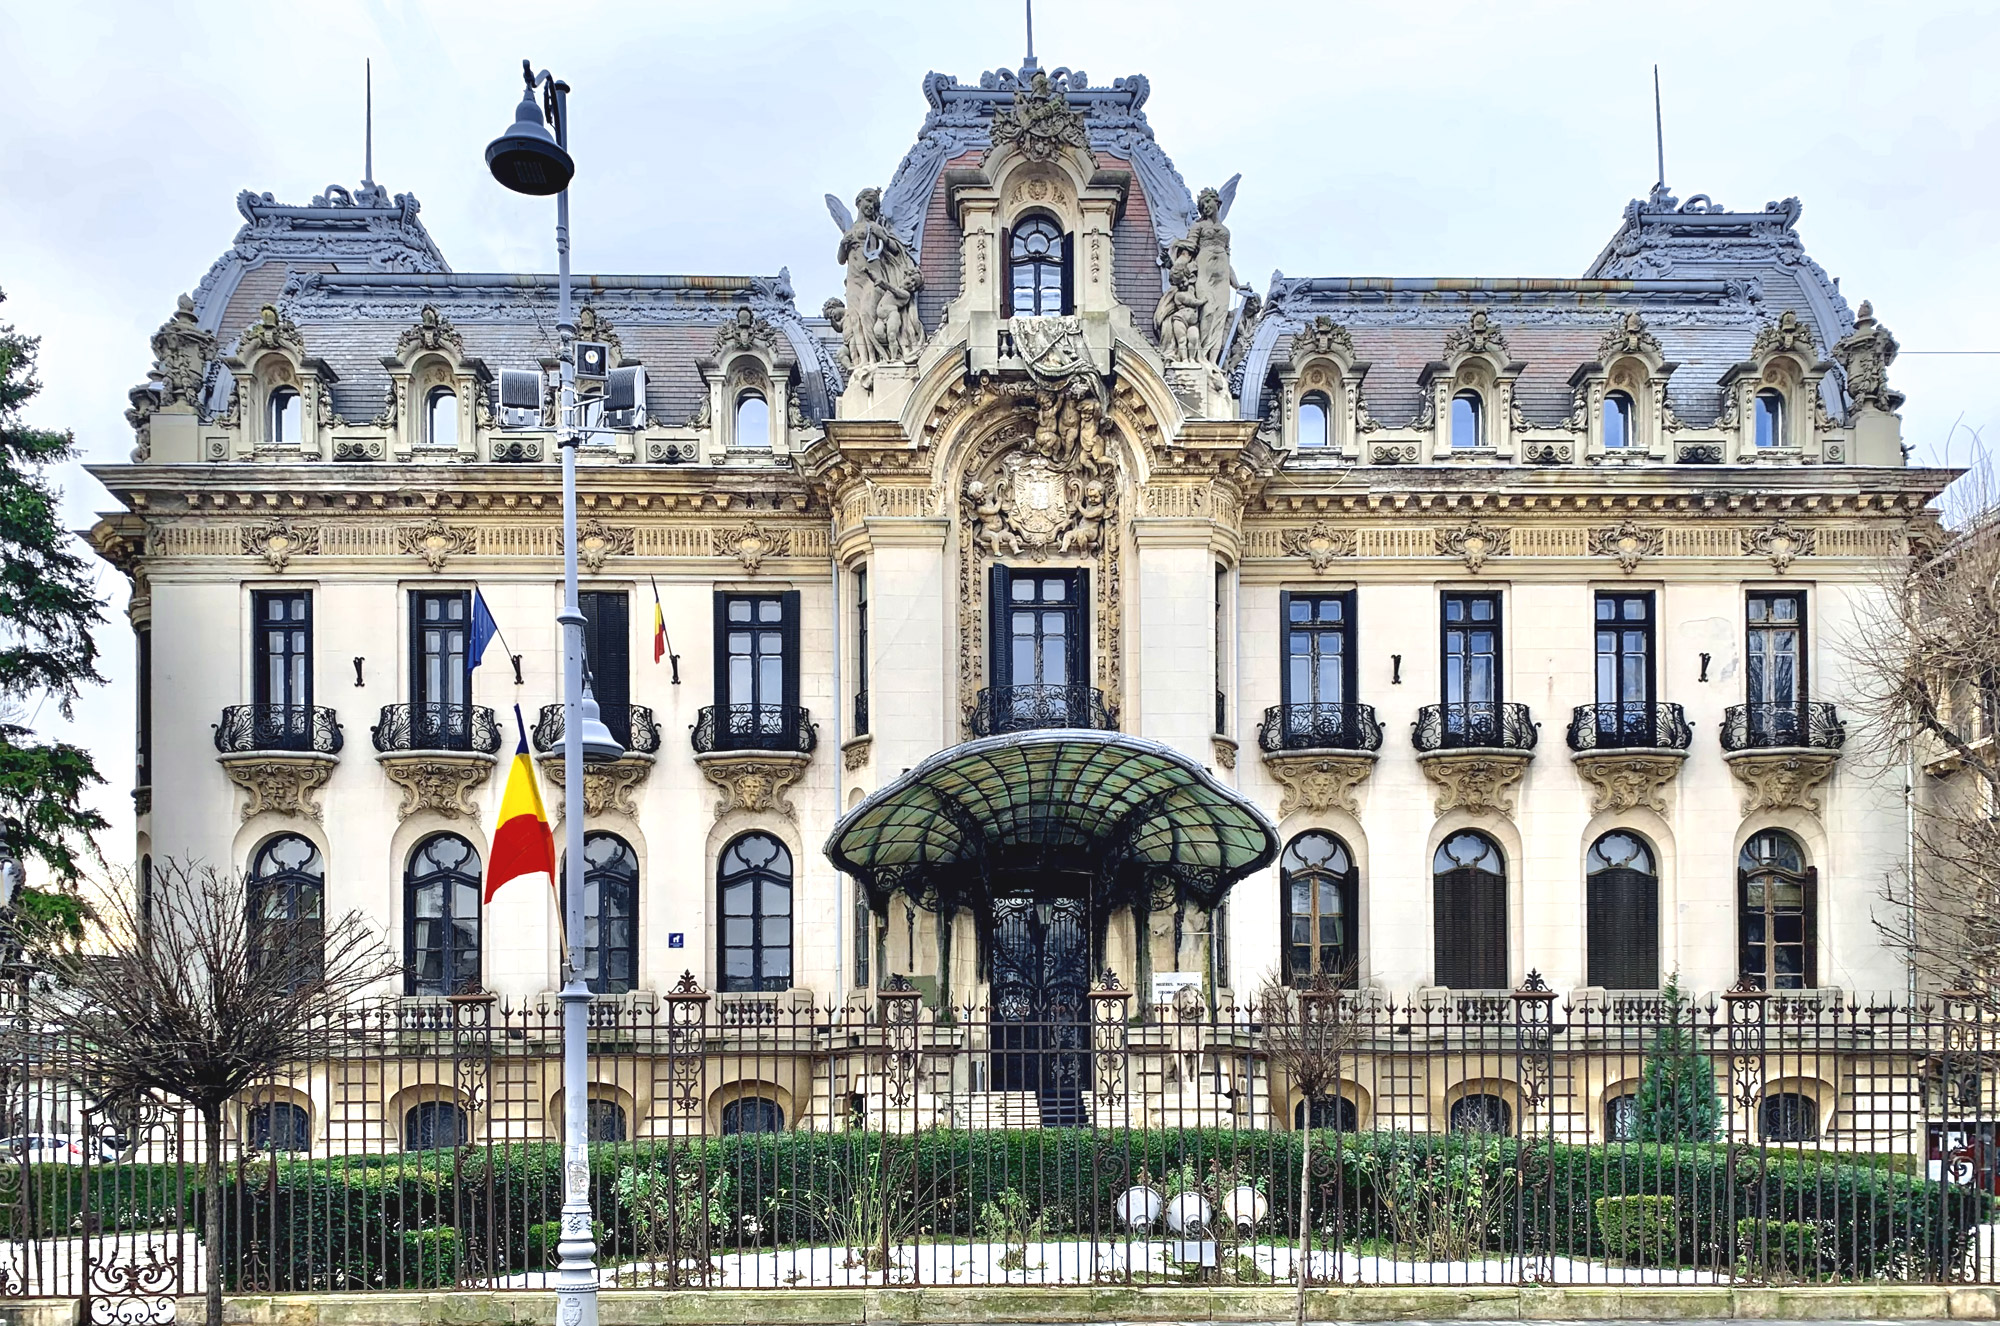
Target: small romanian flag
point(522, 844)
point(659, 627)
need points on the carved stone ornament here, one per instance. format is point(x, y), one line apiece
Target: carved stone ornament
point(879, 322)
point(1052, 348)
point(1781, 542)
point(432, 332)
point(1629, 337)
point(1787, 335)
point(441, 783)
point(1629, 541)
point(1474, 542)
point(1480, 783)
point(854, 753)
point(1781, 780)
point(286, 784)
point(437, 542)
point(1477, 337)
point(1864, 355)
point(272, 331)
point(1624, 780)
point(1318, 543)
point(277, 541)
point(754, 780)
point(607, 786)
point(594, 326)
point(745, 332)
point(1318, 781)
point(1040, 123)
point(181, 351)
point(750, 543)
point(1321, 336)
point(1225, 752)
point(597, 542)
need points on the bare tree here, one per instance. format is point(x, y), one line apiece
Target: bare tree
point(196, 998)
point(1309, 1031)
point(1926, 658)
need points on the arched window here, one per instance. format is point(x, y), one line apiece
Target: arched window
point(441, 417)
point(1622, 925)
point(1621, 1118)
point(753, 420)
point(1468, 419)
point(1313, 415)
point(278, 1125)
point(286, 902)
point(433, 1125)
point(1481, 1114)
point(610, 913)
point(285, 425)
point(1037, 268)
point(752, 1114)
point(605, 1121)
point(1770, 419)
point(1778, 913)
point(754, 885)
point(1617, 420)
point(1335, 1112)
point(1469, 913)
point(441, 917)
point(1318, 888)
point(1788, 1116)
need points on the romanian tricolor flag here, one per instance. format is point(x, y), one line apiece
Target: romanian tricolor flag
point(522, 844)
point(659, 625)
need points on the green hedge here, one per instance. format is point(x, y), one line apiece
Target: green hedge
point(1642, 1229)
point(340, 1223)
point(118, 1197)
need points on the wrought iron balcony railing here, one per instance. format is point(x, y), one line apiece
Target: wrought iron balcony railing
point(1457, 726)
point(305, 728)
point(467, 727)
point(754, 727)
point(1629, 725)
point(1761, 726)
point(632, 724)
point(1029, 708)
point(1320, 727)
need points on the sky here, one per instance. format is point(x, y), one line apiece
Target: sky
point(1433, 139)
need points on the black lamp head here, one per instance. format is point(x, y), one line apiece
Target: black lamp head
point(526, 158)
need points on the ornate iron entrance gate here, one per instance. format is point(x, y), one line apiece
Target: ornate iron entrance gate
point(1041, 998)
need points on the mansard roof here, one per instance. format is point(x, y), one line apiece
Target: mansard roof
point(1705, 279)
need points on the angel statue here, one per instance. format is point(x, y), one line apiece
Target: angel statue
point(1205, 248)
point(880, 323)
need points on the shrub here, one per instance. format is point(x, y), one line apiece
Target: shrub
point(543, 1238)
point(1643, 1229)
point(1777, 1249)
point(430, 1258)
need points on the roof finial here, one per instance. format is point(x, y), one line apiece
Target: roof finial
point(368, 131)
point(1028, 65)
point(1659, 133)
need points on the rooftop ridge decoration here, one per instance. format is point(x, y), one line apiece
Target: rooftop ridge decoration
point(1478, 336)
point(1629, 337)
point(1787, 336)
point(1040, 123)
point(431, 331)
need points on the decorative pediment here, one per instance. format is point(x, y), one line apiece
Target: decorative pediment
point(1474, 542)
point(1781, 542)
point(1629, 337)
point(594, 326)
point(272, 331)
point(1041, 123)
point(1787, 335)
point(1479, 336)
point(1322, 336)
point(746, 333)
point(432, 334)
point(1629, 542)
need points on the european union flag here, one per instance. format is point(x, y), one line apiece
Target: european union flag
point(484, 628)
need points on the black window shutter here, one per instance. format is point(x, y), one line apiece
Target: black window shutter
point(1470, 922)
point(1350, 926)
point(1079, 644)
point(607, 648)
point(1006, 273)
point(1623, 929)
point(1350, 636)
point(998, 585)
point(790, 609)
point(1284, 649)
point(1747, 954)
point(1069, 274)
point(721, 660)
point(1811, 928)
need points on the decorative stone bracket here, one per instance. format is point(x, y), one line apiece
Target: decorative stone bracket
point(287, 783)
point(439, 780)
point(607, 786)
point(1318, 780)
point(754, 779)
point(1478, 779)
point(1628, 779)
point(1785, 778)
point(854, 752)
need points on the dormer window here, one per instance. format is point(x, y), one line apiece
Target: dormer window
point(1770, 419)
point(441, 417)
point(1467, 420)
point(1617, 420)
point(753, 420)
point(1037, 269)
point(1313, 421)
point(286, 421)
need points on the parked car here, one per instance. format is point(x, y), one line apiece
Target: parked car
point(52, 1149)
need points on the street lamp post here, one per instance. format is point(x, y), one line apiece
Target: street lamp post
point(527, 159)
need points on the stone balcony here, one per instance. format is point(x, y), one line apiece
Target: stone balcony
point(754, 753)
point(1782, 753)
point(436, 754)
point(1320, 752)
point(1475, 753)
point(1630, 752)
point(279, 754)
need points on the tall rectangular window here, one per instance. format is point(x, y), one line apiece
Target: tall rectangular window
point(281, 684)
point(756, 669)
point(1471, 649)
point(1221, 649)
point(1041, 649)
point(440, 672)
point(607, 650)
point(861, 652)
point(1317, 682)
point(1774, 645)
point(143, 773)
point(1625, 669)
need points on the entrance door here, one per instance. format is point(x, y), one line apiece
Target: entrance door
point(1041, 997)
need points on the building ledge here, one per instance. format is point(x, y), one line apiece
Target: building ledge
point(1782, 777)
point(439, 780)
point(1480, 779)
point(607, 786)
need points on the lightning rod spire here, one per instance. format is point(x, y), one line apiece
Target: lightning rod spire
point(1659, 131)
point(1029, 63)
point(368, 122)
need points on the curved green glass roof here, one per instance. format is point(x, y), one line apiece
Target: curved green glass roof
point(1129, 812)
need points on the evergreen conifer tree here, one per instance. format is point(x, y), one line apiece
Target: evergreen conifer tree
point(1677, 1100)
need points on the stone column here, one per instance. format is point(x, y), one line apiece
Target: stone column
point(1171, 695)
point(909, 664)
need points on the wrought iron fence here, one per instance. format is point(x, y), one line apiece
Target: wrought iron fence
point(1762, 726)
point(1320, 727)
point(302, 728)
point(1497, 1137)
point(1458, 726)
point(1629, 725)
point(632, 724)
point(467, 727)
point(754, 727)
point(999, 709)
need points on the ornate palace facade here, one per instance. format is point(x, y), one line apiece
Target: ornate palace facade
point(1049, 602)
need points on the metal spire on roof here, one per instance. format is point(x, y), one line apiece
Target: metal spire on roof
point(368, 132)
point(1028, 65)
point(1659, 132)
